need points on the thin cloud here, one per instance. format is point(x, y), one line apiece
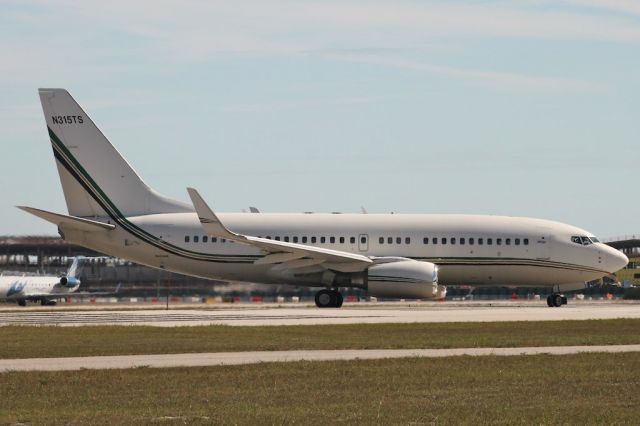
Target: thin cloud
point(618, 6)
point(316, 103)
point(504, 80)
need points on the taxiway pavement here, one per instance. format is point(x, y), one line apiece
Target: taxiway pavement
point(266, 315)
point(239, 358)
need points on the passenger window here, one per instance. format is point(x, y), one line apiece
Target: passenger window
point(205, 239)
point(398, 240)
point(499, 241)
point(332, 240)
point(215, 240)
point(526, 241)
point(295, 239)
point(323, 240)
point(352, 240)
point(222, 240)
point(462, 241)
point(381, 240)
point(517, 241)
point(507, 241)
point(186, 238)
point(195, 238)
point(390, 240)
point(363, 240)
point(444, 240)
point(489, 241)
point(304, 239)
point(341, 240)
point(435, 240)
point(286, 239)
point(480, 241)
point(471, 241)
point(453, 240)
point(407, 240)
point(425, 240)
point(277, 239)
point(313, 240)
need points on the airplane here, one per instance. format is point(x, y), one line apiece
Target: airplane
point(413, 256)
point(45, 289)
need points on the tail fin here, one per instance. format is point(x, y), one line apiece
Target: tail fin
point(97, 181)
point(74, 269)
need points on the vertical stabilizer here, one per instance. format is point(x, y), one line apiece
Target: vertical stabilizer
point(74, 269)
point(97, 181)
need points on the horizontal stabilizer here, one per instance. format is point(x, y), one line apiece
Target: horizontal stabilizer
point(69, 221)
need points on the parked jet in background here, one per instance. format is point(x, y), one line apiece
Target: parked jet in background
point(43, 289)
point(113, 211)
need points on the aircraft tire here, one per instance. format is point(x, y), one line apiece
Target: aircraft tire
point(339, 299)
point(557, 300)
point(549, 301)
point(22, 302)
point(325, 299)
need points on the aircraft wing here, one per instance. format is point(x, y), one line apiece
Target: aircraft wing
point(279, 251)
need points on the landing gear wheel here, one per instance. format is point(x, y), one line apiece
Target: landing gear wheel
point(325, 299)
point(22, 302)
point(329, 299)
point(556, 300)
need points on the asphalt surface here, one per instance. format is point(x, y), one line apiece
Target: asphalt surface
point(240, 358)
point(275, 315)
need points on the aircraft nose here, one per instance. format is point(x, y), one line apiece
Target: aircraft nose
point(614, 260)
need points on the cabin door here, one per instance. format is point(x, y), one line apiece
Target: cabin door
point(542, 243)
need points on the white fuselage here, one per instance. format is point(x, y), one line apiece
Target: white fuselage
point(15, 287)
point(468, 249)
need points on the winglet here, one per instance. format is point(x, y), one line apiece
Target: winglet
point(208, 218)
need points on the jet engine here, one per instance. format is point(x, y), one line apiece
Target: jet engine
point(409, 279)
point(69, 282)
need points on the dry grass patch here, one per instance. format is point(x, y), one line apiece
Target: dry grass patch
point(33, 342)
point(544, 389)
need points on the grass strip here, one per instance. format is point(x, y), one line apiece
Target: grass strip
point(542, 389)
point(43, 342)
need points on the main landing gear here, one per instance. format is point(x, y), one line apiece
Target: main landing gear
point(329, 299)
point(556, 300)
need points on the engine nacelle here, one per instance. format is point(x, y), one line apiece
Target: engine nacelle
point(409, 279)
point(69, 282)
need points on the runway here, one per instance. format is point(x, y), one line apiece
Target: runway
point(276, 315)
point(241, 358)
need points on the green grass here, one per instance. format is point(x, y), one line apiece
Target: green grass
point(34, 342)
point(544, 389)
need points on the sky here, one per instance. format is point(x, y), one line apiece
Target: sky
point(520, 108)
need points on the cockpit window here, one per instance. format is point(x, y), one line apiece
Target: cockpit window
point(583, 240)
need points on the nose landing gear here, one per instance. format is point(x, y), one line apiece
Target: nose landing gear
point(556, 300)
point(329, 299)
